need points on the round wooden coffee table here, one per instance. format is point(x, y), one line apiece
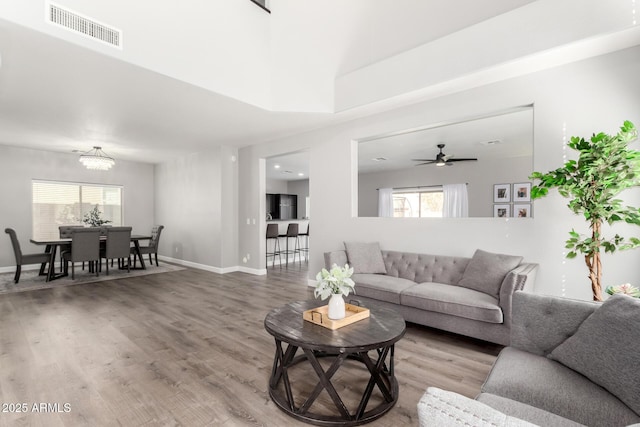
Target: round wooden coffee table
point(370, 341)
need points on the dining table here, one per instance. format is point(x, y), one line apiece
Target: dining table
point(53, 243)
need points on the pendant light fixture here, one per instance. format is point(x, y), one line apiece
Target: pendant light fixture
point(97, 159)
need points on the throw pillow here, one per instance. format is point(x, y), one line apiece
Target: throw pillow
point(440, 408)
point(365, 257)
point(606, 347)
point(486, 271)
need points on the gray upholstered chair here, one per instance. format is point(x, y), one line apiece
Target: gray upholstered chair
point(65, 233)
point(85, 246)
point(117, 246)
point(152, 248)
point(22, 259)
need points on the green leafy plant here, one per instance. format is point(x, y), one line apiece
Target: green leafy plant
point(605, 167)
point(335, 281)
point(93, 218)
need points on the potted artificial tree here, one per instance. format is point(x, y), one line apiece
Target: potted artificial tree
point(605, 167)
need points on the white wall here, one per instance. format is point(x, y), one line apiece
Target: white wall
point(577, 99)
point(19, 166)
point(301, 189)
point(542, 32)
point(196, 202)
point(277, 186)
point(480, 177)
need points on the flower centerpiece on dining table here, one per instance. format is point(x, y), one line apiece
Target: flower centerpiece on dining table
point(93, 218)
point(335, 283)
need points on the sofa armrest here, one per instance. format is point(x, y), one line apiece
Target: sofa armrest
point(521, 278)
point(439, 408)
point(335, 257)
point(541, 322)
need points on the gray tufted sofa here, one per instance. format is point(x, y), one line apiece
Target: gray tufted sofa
point(570, 363)
point(432, 290)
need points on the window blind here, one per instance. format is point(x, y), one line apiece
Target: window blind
point(65, 203)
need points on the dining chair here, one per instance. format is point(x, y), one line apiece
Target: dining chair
point(65, 233)
point(23, 259)
point(117, 246)
point(152, 248)
point(85, 246)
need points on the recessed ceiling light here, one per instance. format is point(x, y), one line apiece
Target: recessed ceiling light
point(287, 172)
point(379, 159)
point(491, 142)
point(276, 166)
point(300, 174)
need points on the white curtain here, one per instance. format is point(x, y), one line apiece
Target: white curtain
point(456, 201)
point(385, 202)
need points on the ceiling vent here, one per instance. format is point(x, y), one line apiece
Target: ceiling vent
point(86, 26)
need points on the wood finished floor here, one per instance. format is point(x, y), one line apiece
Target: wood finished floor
point(186, 348)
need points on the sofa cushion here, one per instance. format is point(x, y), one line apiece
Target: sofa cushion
point(605, 349)
point(453, 300)
point(365, 257)
point(486, 271)
point(424, 268)
point(439, 408)
point(551, 386)
point(525, 412)
point(380, 287)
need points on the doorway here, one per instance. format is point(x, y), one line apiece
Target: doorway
point(287, 203)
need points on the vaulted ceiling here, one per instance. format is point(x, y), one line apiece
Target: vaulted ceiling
point(215, 72)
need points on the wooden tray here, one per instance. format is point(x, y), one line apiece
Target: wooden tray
point(320, 316)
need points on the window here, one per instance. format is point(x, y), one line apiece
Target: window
point(418, 204)
point(65, 203)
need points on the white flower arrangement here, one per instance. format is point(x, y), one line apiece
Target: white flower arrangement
point(335, 281)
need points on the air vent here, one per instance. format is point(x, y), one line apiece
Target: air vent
point(86, 26)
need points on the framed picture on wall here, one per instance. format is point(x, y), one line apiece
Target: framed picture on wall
point(501, 211)
point(522, 210)
point(501, 193)
point(522, 192)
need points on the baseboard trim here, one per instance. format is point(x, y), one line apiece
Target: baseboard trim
point(26, 267)
point(225, 270)
point(218, 270)
point(254, 271)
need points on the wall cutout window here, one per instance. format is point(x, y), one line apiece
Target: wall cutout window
point(65, 203)
point(418, 204)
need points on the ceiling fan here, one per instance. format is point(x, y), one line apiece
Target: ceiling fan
point(441, 159)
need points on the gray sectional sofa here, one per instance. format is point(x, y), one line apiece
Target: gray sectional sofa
point(570, 363)
point(467, 296)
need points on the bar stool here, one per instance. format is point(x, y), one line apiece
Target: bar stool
point(272, 234)
point(292, 233)
point(305, 249)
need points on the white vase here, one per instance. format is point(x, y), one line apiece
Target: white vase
point(336, 307)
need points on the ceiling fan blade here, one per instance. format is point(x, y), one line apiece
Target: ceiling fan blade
point(422, 160)
point(426, 163)
point(461, 160)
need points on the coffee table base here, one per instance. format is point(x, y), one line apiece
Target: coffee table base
point(381, 375)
